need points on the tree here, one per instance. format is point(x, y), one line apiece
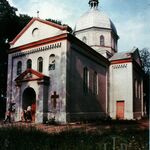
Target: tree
point(54, 21)
point(10, 26)
point(7, 20)
point(59, 23)
point(145, 57)
point(22, 21)
point(7, 25)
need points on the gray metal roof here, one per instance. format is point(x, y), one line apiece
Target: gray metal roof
point(123, 55)
point(94, 18)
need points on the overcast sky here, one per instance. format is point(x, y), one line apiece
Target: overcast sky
point(131, 17)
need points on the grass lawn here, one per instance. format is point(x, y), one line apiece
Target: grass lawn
point(86, 137)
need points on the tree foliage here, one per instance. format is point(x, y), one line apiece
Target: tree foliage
point(145, 56)
point(55, 21)
point(7, 20)
point(7, 23)
point(10, 25)
point(22, 21)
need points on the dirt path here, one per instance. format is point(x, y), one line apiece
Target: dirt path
point(88, 127)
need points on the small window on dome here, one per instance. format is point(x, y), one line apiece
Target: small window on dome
point(102, 40)
point(84, 39)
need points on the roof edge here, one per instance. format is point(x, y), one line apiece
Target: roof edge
point(42, 21)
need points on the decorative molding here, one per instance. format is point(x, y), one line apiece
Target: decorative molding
point(121, 66)
point(39, 49)
point(42, 21)
point(42, 42)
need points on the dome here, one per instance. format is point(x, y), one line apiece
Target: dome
point(94, 18)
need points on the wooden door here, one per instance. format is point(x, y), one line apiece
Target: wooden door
point(120, 110)
point(33, 111)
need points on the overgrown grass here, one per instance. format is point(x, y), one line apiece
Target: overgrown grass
point(20, 138)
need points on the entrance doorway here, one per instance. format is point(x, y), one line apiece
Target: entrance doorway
point(29, 99)
point(120, 110)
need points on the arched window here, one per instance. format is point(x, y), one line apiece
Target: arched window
point(136, 88)
point(19, 68)
point(52, 62)
point(35, 32)
point(29, 64)
point(95, 83)
point(139, 90)
point(84, 39)
point(85, 79)
point(102, 40)
point(40, 64)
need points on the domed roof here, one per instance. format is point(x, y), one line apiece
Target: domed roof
point(94, 18)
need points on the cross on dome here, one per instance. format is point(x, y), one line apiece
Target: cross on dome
point(93, 3)
point(38, 12)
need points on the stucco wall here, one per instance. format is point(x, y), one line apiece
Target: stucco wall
point(93, 39)
point(42, 31)
point(138, 93)
point(121, 88)
point(57, 76)
point(80, 105)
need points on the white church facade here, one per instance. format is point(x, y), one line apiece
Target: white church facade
point(74, 76)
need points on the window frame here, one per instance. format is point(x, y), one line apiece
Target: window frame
point(136, 88)
point(102, 40)
point(19, 67)
point(40, 64)
point(95, 83)
point(85, 80)
point(52, 62)
point(29, 64)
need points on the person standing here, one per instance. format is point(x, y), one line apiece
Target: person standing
point(8, 116)
point(29, 117)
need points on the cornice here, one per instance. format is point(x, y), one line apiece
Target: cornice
point(39, 43)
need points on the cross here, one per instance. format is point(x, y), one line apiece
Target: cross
point(54, 96)
point(38, 14)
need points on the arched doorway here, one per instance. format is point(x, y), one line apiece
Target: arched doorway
point(29, 99)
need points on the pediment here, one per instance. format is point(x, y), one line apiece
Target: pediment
point(31, 75)
point(36, 30)
point(136, 56)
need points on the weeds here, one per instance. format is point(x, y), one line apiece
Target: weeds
point(22, 138)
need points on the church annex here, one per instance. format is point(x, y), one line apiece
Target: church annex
point(74, 76)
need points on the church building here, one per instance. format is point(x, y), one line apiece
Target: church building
point(74, 76)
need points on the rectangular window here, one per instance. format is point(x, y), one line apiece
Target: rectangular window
point(139, 90)
point(40, 64)
point(51, 66)
point(52, 62)
point(95, 83)
point(19, 68)
point(85, 80)
point(136, 89)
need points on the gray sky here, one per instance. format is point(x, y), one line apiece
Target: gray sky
point(131, 17)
